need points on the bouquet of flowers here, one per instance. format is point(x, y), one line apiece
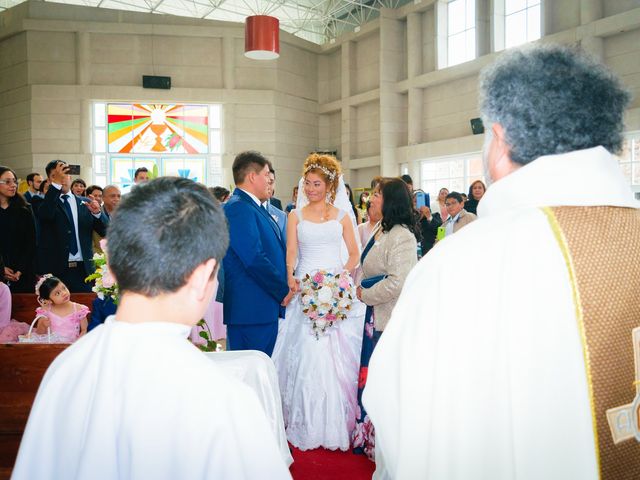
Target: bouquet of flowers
point(105, 283)
point(326, 298)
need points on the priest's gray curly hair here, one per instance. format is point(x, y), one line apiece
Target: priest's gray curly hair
point(552, 99)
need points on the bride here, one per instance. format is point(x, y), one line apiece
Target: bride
point(319, 374)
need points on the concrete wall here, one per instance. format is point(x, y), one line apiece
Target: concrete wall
point(379, 96)
point(55, 60)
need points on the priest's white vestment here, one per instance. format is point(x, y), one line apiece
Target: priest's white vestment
point(480, 373)
point(138, 401)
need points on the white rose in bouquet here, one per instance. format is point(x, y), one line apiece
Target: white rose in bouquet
point(325, 294)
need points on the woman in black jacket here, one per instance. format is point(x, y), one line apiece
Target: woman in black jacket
point(17, 235)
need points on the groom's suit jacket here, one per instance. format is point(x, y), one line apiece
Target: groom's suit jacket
point(254, 266)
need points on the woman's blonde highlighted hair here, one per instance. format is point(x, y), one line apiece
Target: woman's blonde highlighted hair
point(328, 168)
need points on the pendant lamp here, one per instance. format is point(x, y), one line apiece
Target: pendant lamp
point(262, 37)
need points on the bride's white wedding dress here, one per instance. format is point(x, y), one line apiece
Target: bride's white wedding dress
point(319, 377)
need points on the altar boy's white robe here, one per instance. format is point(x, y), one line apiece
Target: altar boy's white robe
point(480, 373)
point(138, 401)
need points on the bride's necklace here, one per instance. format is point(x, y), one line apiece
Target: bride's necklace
point(324, 215)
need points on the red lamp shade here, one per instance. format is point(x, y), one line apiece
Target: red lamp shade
point(262, 37)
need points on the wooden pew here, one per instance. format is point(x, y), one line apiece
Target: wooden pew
point(23, 307)
point(22, 367)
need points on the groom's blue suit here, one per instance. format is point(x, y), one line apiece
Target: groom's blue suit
point(255, 275)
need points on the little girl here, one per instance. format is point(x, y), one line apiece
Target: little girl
point(65, 318)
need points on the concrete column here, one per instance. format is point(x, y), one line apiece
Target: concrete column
point(483, 28)
point(228, 62)
point(393, 105)
point(590, 11)
point(348, 137)
point(229, 147)
point(347, 57)
point(414, 44)
point(414, 124)
point(83, 52)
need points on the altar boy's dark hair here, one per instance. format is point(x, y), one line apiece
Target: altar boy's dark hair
point(161, 232)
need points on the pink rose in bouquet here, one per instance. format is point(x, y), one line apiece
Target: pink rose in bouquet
point(318, 277)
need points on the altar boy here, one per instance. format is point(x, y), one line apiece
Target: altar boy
point(134, 399)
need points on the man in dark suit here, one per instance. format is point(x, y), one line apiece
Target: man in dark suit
point(276, 212)
point(273, 200)
point(255, 268)
point(33, 180)
point(66, 225)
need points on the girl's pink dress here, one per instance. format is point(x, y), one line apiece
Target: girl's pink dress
point(9, 329)
point(68, 326)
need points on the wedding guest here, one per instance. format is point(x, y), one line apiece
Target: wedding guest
point(78, 187)
point(272, 199)
point(357, 215)
point(438, 205)
point(66, 225)
point(294, 199)
point(221, 194)
point(276, 212)
point(476, 191)
point(458, 216)
point(110, 199)
point(363, 207)
point(17, 235)
point(532, 372)
point(133, 398)
point(95, 192)
point(141, 175)
point(58, 314)
point(33, 181)
point(366, 229)
point(429, 223)
point(9, 329)
point(408, 180)
point(386, 261)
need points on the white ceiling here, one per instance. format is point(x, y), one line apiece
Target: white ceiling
point(316, 21)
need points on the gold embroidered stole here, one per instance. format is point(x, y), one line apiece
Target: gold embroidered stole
point(601, 246)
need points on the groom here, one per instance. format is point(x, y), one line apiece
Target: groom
point(255, 273)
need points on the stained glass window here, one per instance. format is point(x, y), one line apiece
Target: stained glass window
point(145, 128)
point(168, 139)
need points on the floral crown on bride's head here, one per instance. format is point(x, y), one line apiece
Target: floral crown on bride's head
point(314, 166)
point(41, 281)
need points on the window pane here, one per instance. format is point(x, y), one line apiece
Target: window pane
point(456, 168)
point(511, 6)
point(626, 171)
point(99, 165)
point(100, 180)
point(100, 137)
point(475, 166)
point(470, 14)
point(533, 23)
point(455, 16)
point(216, 141)
point(456, 49)
point(215, 116)
point(636, 173)
point(457, 185)
point(470, 45)
point(635, 149)
point(515, 29)
point(99, 114)
point(531, 3)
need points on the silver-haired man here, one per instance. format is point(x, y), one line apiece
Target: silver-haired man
point(531, 374)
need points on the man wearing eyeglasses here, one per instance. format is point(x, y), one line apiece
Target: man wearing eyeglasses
point(458, 216)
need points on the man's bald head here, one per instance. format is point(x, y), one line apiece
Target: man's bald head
point(110, 198)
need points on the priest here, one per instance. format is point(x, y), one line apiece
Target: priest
point(134, 399)
point(530, 373)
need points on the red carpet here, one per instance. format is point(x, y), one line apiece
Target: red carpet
point(321, 464)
